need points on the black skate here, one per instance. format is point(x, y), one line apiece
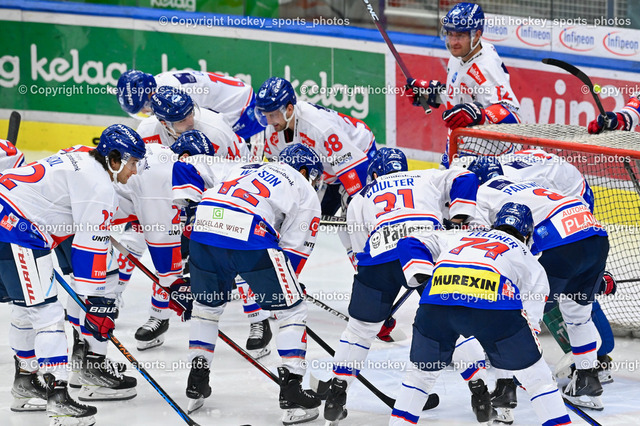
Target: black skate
point(101, 380)
point(151, 333)
point(259, 338)
point(504, 399)
point(481, 401)
point(300, 405)
point(334, 410)
point(29, 393)
point(584, 389)
point(64, 411)
point(604, 369)
point(77, 355)
point(198, 384)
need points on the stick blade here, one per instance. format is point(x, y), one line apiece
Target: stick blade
point(14, 126)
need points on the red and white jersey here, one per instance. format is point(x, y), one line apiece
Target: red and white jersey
point(483, 79)
point(212, 124)
point(227, 95)
point(10, 156)
point(633, 109)
point(272, 206)
point(398, 204)
point(54, 198)
point(342, 142)
point(148, 198)
point(487, 269)
point(549, 170)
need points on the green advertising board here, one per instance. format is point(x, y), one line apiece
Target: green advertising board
point(263, 8)
point(73, 69)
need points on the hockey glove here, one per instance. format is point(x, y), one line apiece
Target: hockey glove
point(100, 317)
point(463, 115)
point(616, 121)
point(181, 298)
point(387, 327)
point(609, 285)
point(431, 90)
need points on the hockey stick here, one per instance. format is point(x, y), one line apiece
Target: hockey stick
point(584, 416)
point(14, 126)
point(223, 336)
point(432, 401)
point(128, 355)
point(327, 220)
point(394, 52)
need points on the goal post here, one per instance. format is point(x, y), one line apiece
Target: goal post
point(610, 162)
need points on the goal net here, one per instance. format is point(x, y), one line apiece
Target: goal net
point(610, 163)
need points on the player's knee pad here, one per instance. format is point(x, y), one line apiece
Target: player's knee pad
point(42, 316)
point(574, 313)
point(207, 313)
point(361, 332)
point(536, 379)
point(294, 315)
point(421, 379)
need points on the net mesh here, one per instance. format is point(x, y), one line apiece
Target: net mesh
point(609, 162)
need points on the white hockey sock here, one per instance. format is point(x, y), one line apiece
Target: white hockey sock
point(50, 343)
point(468, 359)
point(353, 348)
point(159, 303)
point(582, 332)
point(203, 332)
point(412, 396)
point(291, 340)
point(22, 338)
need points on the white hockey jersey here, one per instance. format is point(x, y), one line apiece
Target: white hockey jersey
point(557, 219)
point(212, 124)
point(342, 142)
point(54, 198)
point(549, 170)
point(274, 206)
point(483, 79)
point(227, 95)
point(398, 204)
point(148, 198)
point(10, 156)
point(481, 269)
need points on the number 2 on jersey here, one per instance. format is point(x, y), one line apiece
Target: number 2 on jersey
point(243, 194)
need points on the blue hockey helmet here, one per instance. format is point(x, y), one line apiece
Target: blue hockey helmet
point(517, 216)
point(193, 142)
point(387, 160)
point(134, 89)
point(274, 94)
point(485, 168)
point(123, 139)
point(171, 105)
point(464, 17)
point(299, 156)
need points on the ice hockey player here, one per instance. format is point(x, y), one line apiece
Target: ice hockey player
point(566, 233)
point(477, 90)
point(195, 173)
point(262, 226)
point(395, 203)
point(500, 289)
point(626, 119)
point(31, 226)
point(230, 96)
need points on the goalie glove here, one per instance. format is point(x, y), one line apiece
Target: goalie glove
point(100, 317)
point(463, 115)
point(608, 285)
point(181, 298)
point(615, 121)
point(431, 90)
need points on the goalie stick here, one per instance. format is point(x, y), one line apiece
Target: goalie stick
point(14, 126)
point(394, 52)
point(128, 355)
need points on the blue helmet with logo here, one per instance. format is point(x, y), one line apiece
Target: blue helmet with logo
point(274, 94)
point(387, 160)
point(193, 142)
point(299, 156)
point(517, 216)
point(171, 105)
point(123, 139)
point(485, 168)
point(134, 89)
point(464, 17)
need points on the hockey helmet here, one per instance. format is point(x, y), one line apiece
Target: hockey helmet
point(171, 105)
point(485, 168)
point(463, 18)
point(299, 156)
point(274, 94)
point(387, 160)
point(134, 91)
point(517, 216)
point(193, 142)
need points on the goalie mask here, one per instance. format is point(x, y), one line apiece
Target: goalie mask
point(300, 156)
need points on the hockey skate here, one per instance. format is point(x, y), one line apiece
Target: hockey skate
point(585, 389)
point(29, 393)
point(481, 402)
point(77, 355)
point(504, 399)
point(151, 333)
point(64, 411)
point(604, 369)
point(259, 338)
point(101, 381)
point(334, 410)
point(198, 384)
point(300, 405)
